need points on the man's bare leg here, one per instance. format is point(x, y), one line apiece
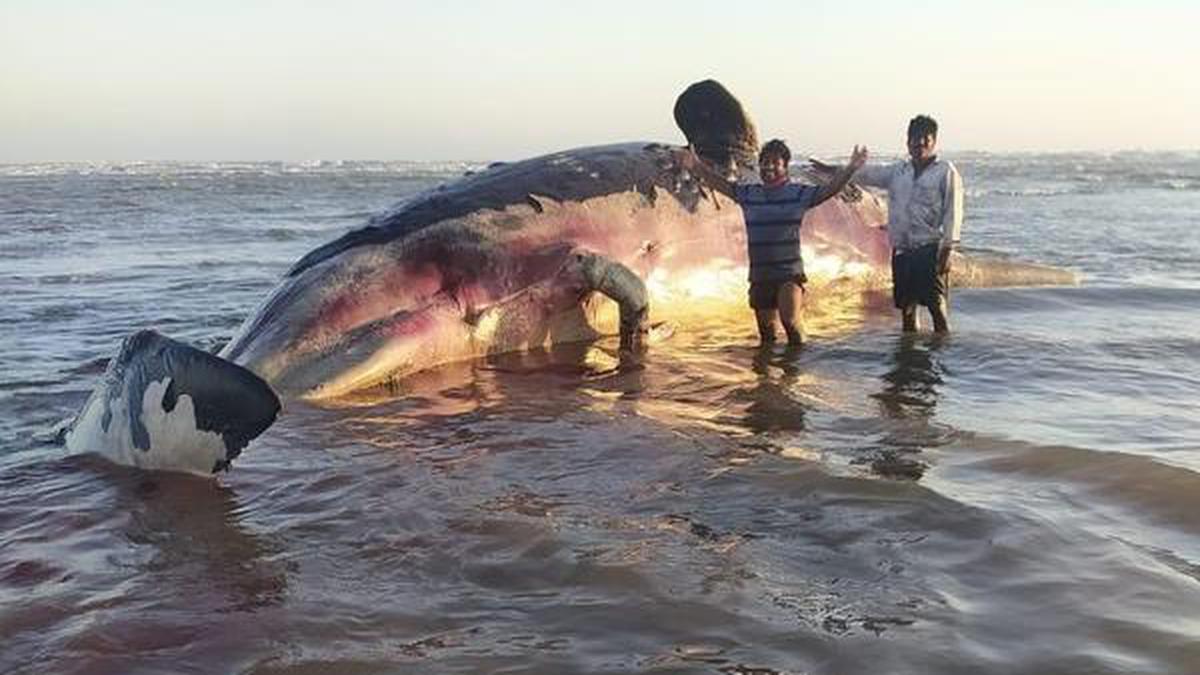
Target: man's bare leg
point(908, 319)
point(791, 312)
point(939, 312)
point(766, 325)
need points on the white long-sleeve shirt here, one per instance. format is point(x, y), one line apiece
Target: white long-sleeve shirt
point(923, 209)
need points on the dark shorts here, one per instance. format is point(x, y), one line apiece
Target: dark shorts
point(915, 279)
point(765, 294)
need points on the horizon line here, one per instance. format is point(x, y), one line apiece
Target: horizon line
point(182, 160)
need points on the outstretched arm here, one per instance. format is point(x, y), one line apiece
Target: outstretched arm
point(857, 158)
point(689, 161)
point(875, 175)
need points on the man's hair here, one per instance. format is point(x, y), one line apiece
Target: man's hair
point(776, 147)
point(921, 126)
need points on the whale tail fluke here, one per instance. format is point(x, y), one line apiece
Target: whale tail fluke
point(979, 271)
point(165, 405)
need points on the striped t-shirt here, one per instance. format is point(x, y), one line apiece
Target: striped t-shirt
point(773, 216)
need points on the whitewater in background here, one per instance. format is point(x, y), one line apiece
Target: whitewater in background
point(1018, 498)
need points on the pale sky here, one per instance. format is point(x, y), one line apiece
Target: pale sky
point(361, 79)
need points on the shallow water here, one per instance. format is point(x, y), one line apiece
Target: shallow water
point(1017, 498)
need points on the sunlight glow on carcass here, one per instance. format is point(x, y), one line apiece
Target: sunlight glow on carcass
point(722, 282)
point(828, 267)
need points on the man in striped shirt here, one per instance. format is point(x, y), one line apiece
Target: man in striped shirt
point(925, 212)
point(774, 211)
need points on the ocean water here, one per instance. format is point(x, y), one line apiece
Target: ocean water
point(1020, 497)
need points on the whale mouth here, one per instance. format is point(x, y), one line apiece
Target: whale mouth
point(372, 353)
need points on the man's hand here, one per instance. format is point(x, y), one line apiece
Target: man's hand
point(858, 157)
point(687, 160)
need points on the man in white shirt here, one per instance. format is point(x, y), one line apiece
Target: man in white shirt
point(925, 211)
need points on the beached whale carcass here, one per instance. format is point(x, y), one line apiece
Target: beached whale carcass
point(518, 256)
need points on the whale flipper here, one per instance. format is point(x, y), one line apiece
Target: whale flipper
point(624, 287)
point(165, 405)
